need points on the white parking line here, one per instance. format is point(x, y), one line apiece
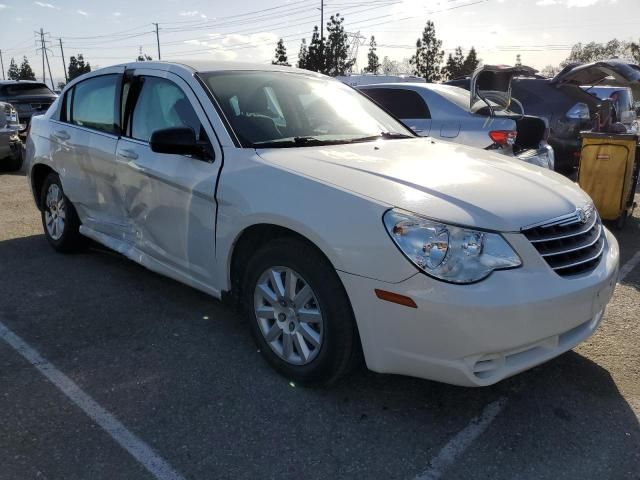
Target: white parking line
point(629, 266)
point(462, 440)
point(142, 452)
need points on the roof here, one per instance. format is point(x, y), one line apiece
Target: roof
point(436, 87)
point(216, 66)
point(13, 82)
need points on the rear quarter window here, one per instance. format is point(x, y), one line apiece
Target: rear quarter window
point(403, 104)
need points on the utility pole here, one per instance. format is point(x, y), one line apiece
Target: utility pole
point(53, 87)
point(322, 21)
point(44, 77)
point(64, 66)
point(157, 40)
point(2, 65)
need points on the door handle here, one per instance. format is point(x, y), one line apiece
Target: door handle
point(61, 135)
point(128, 153)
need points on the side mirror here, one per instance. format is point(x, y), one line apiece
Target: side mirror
point(177, 141)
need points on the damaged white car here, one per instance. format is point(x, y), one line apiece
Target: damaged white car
point(332, 225)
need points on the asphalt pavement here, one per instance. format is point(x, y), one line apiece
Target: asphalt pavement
point(180, 375)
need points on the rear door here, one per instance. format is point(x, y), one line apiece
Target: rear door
point(169, 199)
point(85, 138)
point(407, 105)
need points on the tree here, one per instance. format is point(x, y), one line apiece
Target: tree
point(26, 73)
point(518, 60)
point(14, 72)
point(336, 50)
point(315, 56)
point(470, 63)
point(77, 66)
point(389, 67)
point(549, 71)
point(634, 49)
point(373, 62)
point(281, 55)
point(429, 54)
point(303, 53)
point(454, 67)
point(143, 57)
point(593, 51)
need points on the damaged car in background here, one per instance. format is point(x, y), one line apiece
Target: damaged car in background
point(482, 119)
point(566, 106)
point(28, 97)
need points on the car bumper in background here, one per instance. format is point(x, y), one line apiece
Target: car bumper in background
point(479, 334)
point(542, 157)
point(10, 145)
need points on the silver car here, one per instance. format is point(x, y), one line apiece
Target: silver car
point(483, 120)
point(10, 144)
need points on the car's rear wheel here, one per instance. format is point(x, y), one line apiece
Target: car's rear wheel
point(59, 218)
point(15, 163)
point(299, 312)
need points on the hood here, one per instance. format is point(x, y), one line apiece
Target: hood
point(440, 180)
point(492, 83)
point(609, 72)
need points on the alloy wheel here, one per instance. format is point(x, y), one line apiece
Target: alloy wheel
point(54, 213)
point(289, 315)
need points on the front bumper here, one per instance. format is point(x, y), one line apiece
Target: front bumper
point(479, 334)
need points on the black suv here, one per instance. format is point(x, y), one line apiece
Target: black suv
point(28, 98)
point(568, 108)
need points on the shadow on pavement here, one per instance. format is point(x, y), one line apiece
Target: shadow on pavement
point(180, 370)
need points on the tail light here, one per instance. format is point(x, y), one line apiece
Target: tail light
point(503, 137)
point(580, 111)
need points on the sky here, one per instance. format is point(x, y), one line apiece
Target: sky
point(114, 31)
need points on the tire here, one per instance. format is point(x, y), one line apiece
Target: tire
point(621, 221)
point(336, 345)
point(15, 164)
point(59, 218)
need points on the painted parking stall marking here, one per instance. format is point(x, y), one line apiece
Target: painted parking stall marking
point(137, 448)
point(462, 440)
point(629, 266)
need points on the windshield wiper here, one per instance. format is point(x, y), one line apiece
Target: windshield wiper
point(307, 141)
point(310, 141)
point(383, 135)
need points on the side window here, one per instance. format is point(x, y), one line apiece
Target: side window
point(94, 103)
point(403, 104)
point(162, 104)
point(65, 109)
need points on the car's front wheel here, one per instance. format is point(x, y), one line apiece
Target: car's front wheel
point(59, 218)
point(299, 312)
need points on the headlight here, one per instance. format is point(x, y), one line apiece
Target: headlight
point(449, 253)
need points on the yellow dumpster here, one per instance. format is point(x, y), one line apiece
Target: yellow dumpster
point(608, 172)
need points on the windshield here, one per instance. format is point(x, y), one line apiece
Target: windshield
point(279, 109)
point(621, 97)
point(24, 89)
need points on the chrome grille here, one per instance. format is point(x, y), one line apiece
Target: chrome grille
point(572, 244)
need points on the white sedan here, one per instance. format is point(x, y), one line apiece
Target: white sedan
point(333, 226)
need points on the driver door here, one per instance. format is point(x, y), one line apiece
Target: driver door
point(169, 199)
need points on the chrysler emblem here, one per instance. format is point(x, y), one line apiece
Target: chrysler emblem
point(584, 214)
